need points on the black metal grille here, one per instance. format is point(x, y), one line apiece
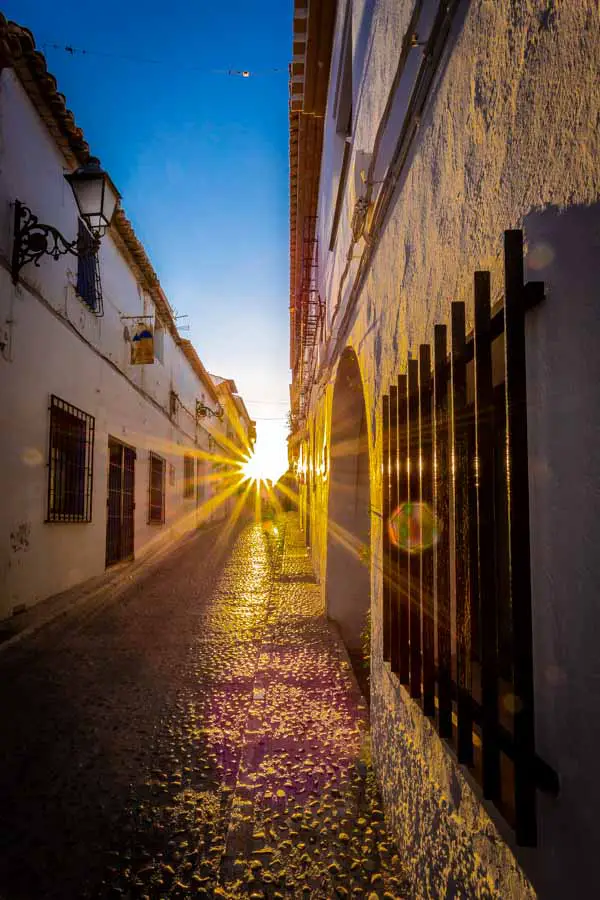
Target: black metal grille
point(156, 505)
point(89, 287)
point(120, 502)
point(455, 443)
point(70, 463)
point(188, 476)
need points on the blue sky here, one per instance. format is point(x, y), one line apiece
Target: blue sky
point(200, 157)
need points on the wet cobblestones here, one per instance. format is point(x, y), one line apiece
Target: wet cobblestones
point(213, 743)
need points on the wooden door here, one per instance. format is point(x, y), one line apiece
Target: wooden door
point(120, 503)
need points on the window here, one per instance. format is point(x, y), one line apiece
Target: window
point(70, 463)
point(89, 287)
point(156, 505)
point(455, 495)
point(188, 476)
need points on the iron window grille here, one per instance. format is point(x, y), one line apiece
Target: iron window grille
point(156, 500)
point(70, 463)
point(89, 287)
point(455, 460)
point(188, 476)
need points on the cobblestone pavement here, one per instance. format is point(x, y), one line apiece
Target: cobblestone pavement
point(201, 737)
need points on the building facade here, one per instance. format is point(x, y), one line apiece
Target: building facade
point(104, 453)
point(241, 430)
point(444, 329)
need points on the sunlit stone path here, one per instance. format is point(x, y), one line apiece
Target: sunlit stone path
point(202, 736)
point(306, 818)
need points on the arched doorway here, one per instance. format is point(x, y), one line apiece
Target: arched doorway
point(348, 540)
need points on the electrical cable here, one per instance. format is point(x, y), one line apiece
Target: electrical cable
point(82, 51)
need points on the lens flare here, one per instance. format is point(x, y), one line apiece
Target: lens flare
point(413, 527)
point(256, 469)
point(32, 457)
point(540, 256)
point(264, 465)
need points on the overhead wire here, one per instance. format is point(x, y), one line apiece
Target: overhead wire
point(83, 51)
point(243, 73)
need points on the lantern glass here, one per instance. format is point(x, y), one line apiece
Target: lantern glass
point(95, 194)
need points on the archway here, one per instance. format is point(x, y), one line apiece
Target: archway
point(348, 539)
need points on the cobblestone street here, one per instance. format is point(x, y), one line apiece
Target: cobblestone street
point(200, 736)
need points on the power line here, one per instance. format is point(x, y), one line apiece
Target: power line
point(84, 51)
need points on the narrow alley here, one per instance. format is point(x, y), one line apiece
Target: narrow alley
point(299, 489)
point(200, 735)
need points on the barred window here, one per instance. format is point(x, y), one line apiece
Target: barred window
point(455, 497)
point(156, 502)
point(89, 287)
point(188, 476)
point(70, 463)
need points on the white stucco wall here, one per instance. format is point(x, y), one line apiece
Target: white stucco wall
point(55, 345)
point(509, 139)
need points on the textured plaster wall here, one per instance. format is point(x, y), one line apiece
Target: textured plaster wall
point(509, 139)
point(450, 843)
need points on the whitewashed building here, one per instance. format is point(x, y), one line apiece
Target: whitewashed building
point(241, 430)
point(100, 458)
point(445, 326)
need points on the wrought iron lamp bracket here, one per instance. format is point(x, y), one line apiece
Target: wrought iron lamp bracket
point(202, 411)
point(33, 240)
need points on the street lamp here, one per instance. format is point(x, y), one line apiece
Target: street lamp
point(96, 198)
point(202, 411)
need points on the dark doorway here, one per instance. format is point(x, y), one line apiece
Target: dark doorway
point(120, 502)
point(348, 540)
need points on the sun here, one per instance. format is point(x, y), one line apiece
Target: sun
point(255, 469)
point(264, 465)
point(269, 459)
